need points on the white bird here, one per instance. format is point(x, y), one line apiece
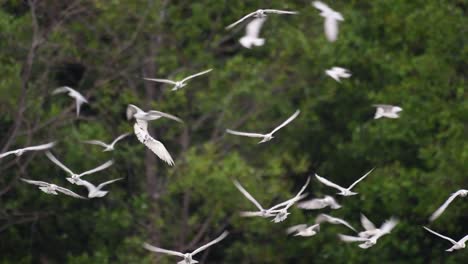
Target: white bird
point(188, 257)
point(107, 147)
point(368, 242)
point(262, 212)
point(266, 137)
point(441, 209)
point(389, 111)
point(343, 191)
point(141, 130)
point(456, 245)
point(79, 98)
point(52, 188)
point(252, 32)
point(19, 152)
point(94, 191)
point(262, 13)
point(303, 230)
point(178, 84)
point(331, 20)
point(337, 72)
point(74, 178)
point(372, 230)
point(319, 203)
point(332, 220)
point(282, 213)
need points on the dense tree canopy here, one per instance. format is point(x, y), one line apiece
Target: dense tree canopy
point(409, 53)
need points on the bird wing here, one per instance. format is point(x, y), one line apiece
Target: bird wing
point(331, 29)
point(221, 237)
point(328, 183)
point(250, 214)
point(96, 142)
point(444, 206)
point(62, 89)
point(154, 145)
point(41, 147)
point(321, 6)
point(108, 182)
point(160, 250)
point(246, 134)
point(240, 20)
point(69, 193)
point(132, 110)
point(312, 204)
point(463, 240)
point(360, 179)
point(366, 223)
point(87, 184)
point(38, 183)
point(346, 238)
point(195, 75)
point(119, 138)
point(291, 118)
point(101, 167)
point(343, 222)
point(388, 225)
point(282, 12)
point(159, 114)
point(57, 162)
point(6, 153)
point(442, 236)
point(253, 28)
point(384, 106)
point(247, 195)
point(322, 218)
point(295, 228)
point(160, 80)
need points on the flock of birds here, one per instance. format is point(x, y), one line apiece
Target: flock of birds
point(367, 238)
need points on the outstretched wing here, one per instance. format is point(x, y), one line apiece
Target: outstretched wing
point(69, 193)
point(62, 89)
point(161, 250)
point(328, 183)
point(444, 206)
point(240, 20)
point(166, 115)
point(58, 163)
point(295, 228)
point(41, 147)
point(119, 138)
point(160, 80)
point(38, 183)
point(195, 75)
point(101, 167)
point(388, 225)
point(439, 235)
point(321, 6)
point(154, 145)
point(360, 179)
point(291, 118)
point(366, 223)
point(281, 12)
point(221, 237)
point(343, 222)
point(247, 195)
point(245, 134)
point(6, 153)
point(95, 142)
point(108, 182)
point(346, 238)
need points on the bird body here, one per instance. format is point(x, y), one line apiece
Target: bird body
point(337, 72)
point(94, 191)
point(19, 152)
point(388, 111)
point(252, 33)
point(281, 210)
point(304, 230)
point(262, 13)
point(331, 20)
point(265, 137)
point(50, 188)
point(178, 84)
point(107, 147)
point(456, 244)
point(370, 239)
point(79, 98)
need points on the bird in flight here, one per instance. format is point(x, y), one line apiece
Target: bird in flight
point(94, 191)
point(337, 72)
point(303, 230)
point(266, 137)
point(252, 32)
point(456, 244)
point(319, 203)
point(187, 257)
point(262, 13)
point(19, 152)
point(389, 111)
point(441, 209)
point(141, 130)
point(262, 212)
point(74, 178)
point(332, 220)
point(107, 147)
point(79, 98)
point(331, 20)
point(178, 84)
point(343, 191)
point(52, 188)
point(282, 213)
point(371, 240)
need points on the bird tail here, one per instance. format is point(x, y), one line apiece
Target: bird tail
point(249, 41)
point(379, 113)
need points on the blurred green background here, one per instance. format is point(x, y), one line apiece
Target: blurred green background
point(409, 53)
